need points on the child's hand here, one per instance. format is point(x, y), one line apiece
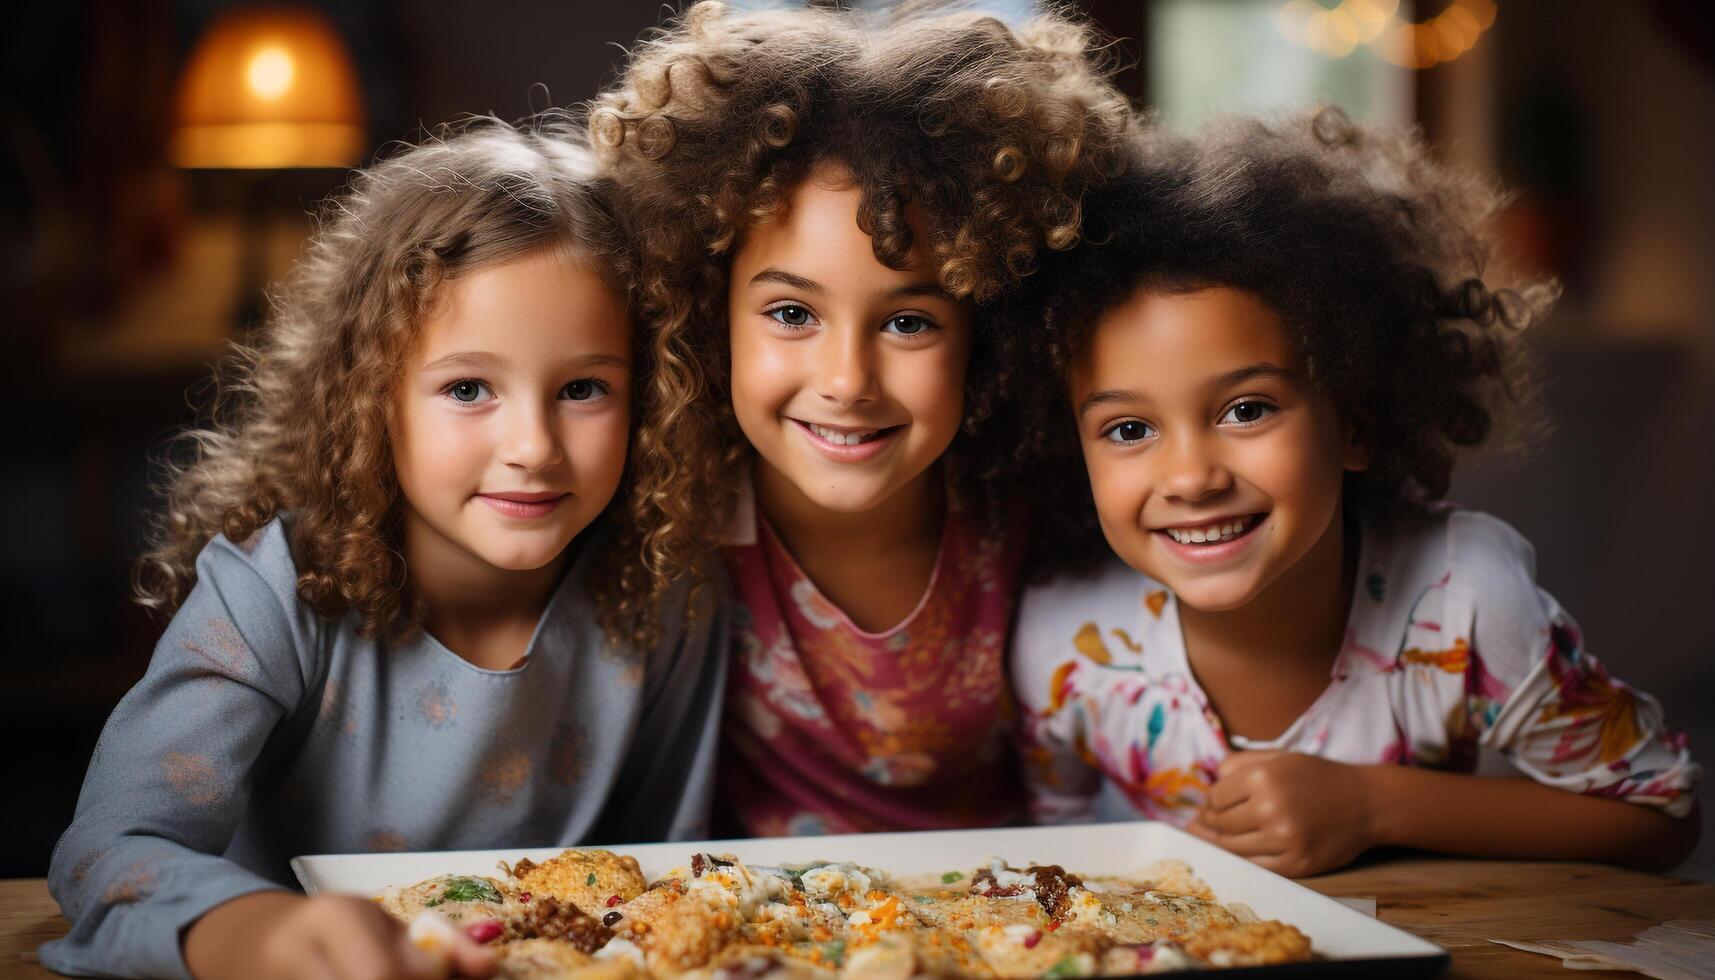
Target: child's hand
point(279, 935)
point(1294, 814)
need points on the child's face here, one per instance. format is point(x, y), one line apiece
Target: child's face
point(512, 419)
point(847, 376)
point(1216, 466)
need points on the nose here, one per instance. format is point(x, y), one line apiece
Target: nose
point(529, 439)
point(845, 367)
point(1192, 469)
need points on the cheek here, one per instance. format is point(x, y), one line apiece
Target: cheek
point(598, 445)
point(931, 386)
point(764, 374)
point(1120, 486)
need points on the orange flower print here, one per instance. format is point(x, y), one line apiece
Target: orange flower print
point(1126, 640)
point(1155, 602)
point(1088, 642)
point(1589, 699)
point(1177, 787)
point(1453, 660)
point(1060, 686)
point(194, 778)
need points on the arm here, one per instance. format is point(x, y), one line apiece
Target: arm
point(170, 778)
point(277, 934)
point(1301, 815)
point(1518, 818)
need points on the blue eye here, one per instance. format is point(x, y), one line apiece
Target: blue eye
point(907, 325)
point(1248, 413)
point(1128, 432)
point(583, 389)
point(791, 316)
point(468, 391)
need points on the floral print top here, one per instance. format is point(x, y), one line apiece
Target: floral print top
point(831, 729)
point(1450, 648)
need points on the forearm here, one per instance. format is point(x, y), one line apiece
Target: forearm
point(223, 942)
point(1517, 818)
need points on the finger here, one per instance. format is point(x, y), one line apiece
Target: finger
point(1239, 761)
point(362, 950)
point(315, 964)
point(472, 959)
point(417, 962)
point(1241, 818)
point(1227, 792)
point(1202, 831)
point(1253, 844)
point(1289, 865)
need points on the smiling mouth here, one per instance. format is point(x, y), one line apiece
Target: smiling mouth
point(1217, 532)
point(844, 436)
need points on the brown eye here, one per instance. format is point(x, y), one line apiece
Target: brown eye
point(1129, 432)
point(1248, 413)
point(582, 389)
point(791, 316)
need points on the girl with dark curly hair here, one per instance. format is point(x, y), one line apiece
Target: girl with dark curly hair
point(1274, 342)
point(831, 207)
point(410, 608)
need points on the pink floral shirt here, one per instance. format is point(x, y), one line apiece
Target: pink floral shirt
point(1451, 650)
point(831, 729)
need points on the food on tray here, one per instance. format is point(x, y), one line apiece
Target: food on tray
point(589, 914)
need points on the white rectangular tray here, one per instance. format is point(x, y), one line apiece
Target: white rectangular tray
point(1349, 941)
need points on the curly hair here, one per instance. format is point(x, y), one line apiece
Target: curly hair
point(299, 422)
point(1373, 254)
point(988, 134)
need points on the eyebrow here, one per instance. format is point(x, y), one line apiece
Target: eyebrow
point(1238, 376)
point(1098, 398)
point(795, 281)
point(485, 361)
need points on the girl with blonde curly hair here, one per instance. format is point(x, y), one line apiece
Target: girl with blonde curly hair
point(411, 606)
point(830, 205)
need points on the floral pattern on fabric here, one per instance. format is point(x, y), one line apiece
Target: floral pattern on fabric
point(1481, 659)
point(830, 729)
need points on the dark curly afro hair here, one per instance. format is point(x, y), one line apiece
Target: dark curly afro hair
point(989, 134)
point(1373, 254)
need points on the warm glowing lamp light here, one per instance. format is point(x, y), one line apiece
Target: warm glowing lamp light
point(268, 88)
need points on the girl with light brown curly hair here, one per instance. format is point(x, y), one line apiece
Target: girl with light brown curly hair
point(411, 607)
point(830, 206)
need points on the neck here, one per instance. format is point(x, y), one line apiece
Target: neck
point(903, 522)
point(1299, 618)
point(463, 595)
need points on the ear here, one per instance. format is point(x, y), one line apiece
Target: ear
point(1355, 455)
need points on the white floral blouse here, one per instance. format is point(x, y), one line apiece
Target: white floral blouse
point(1450, 647)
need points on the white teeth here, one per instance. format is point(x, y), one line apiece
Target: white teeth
point(1210, 534)
point(842, 438)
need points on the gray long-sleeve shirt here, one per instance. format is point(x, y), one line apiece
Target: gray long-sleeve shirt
point(263, 730)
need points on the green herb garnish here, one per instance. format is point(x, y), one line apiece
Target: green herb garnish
point(590, 879)
point(951, 877)
point(468, 890)
point(1067, 967)
point(835, 952)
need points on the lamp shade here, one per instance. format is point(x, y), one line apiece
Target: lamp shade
point(268, 88)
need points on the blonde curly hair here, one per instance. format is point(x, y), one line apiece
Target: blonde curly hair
point(300, 420)
point(989, 133)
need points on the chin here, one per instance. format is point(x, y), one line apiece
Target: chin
point(522, 559)
point(1213, 595)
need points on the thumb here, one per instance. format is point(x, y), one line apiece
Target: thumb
point(471, 959)
point(1239, 761)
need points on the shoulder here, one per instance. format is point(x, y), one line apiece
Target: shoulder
point(1050, 613)
point(245, 605)
point(1482, 589)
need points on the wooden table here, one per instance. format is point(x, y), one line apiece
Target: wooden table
point(1459, 904)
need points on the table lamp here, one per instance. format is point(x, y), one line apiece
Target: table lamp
point(265, 89)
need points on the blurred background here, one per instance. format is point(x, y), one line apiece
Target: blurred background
point(159, 160)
